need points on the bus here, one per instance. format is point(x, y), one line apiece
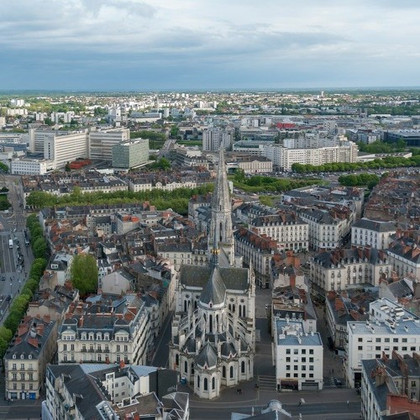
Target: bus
point(10, 243)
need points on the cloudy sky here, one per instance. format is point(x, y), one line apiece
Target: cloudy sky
point(208, 44)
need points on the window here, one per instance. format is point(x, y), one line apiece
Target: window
point(213, 383)
point(287, 367)
point(295, 375)
point(303, 367)
point(206, 384)
point(231, 371)
point(303, 351)
point(311, 367)
point(198, 382)
point(287, 359)
point(224, 371)
point(242, 367)
point(311, 375)
point(360, 339)
point(311, 351)
point(186, 367)
point(378, 339)
point(287, 375)
point(311, 360)
point(287, 351)
point(359, 347)
point(404, 340)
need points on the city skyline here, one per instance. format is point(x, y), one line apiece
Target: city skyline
point(161, 45)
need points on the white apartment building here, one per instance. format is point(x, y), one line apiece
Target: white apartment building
point(298, 357)
point(291, 232)
point(215, 138)
point(326, 229)
point(338, 269)
point(372, 233)
point(106, 333)
point(101, 142)
point(62, 148)
point(390, 328)
point(284, 157)
point(404, 255)
point(30, 166)
point(26, 359)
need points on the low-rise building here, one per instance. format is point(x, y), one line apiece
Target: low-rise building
point(327, 228)
point(342, 268)
point(290, 232)
point(372, 233)
point(257, 251)
point(105, 331)
point(391, 387)
point(109, 392)
point(390, 328)
point(298, 357)
point(404, 255)
point(30, 166)
point(26, 359)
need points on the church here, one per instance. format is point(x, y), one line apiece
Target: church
point(213, 330)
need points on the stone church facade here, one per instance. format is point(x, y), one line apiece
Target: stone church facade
point(213, 330)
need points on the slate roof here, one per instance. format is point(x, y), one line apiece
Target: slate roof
point(197, 276)
point(207, 356)
point(215, 290)
point(375, 226)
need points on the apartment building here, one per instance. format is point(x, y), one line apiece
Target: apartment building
point(26, 358)
point(372, 233)
point(257, 251)
point(404, 255)
point(81, 391)
point(327, 228)
point(390, 328)
point(216, 138)
point(105, 331)
point(391, 386)
point(298, 357)
point(284, 157)
point(290, 232)
point(101, 142)
point(341, 268)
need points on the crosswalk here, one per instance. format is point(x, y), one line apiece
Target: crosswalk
point(267, 382)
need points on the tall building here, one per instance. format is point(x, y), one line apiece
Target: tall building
point(101, 142)
point(213, 331)
point(130, 154)
point(216, 138)
point(63, 148)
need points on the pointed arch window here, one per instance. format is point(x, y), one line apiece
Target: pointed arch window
point(206, 385)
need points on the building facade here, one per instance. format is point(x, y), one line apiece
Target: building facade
point(367, 232)
point(213, 330)
point(102, 142)
point(298, 357)
point(26, 359)
point(105, 332)
point(130, 154)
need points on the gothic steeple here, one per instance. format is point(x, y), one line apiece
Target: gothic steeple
point(221, 218)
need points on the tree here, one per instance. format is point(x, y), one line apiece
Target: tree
point(3, 167)
point(84, 274)
point(39, 247)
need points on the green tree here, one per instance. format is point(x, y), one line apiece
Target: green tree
point(3, 167)
point(84, 274)
point(39, 247)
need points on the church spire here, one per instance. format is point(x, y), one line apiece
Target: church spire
point(221, 235)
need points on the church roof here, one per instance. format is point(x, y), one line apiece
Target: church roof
point(228, 348)
point(197, 276)
point(215, 289)
point(207, 356)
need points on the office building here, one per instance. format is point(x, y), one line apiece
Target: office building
point(130, 154)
